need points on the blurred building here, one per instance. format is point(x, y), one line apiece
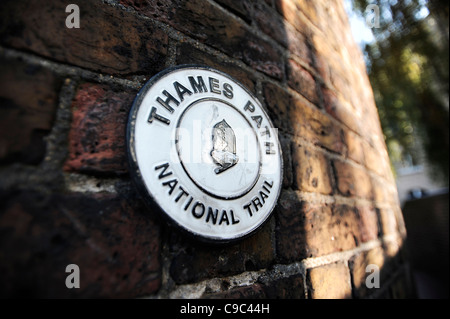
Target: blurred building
point(416, 182)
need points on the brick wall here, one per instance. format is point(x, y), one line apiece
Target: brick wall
point(67, 197)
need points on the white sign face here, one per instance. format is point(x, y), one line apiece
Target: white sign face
point(202, 148)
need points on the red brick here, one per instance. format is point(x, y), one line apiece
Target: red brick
point(268, 22)
point(101, 43)
point(290, 233)
point(111, 239)
point(343, 87)
point(392, 196)
point(300, 45)
point(316, 127)
point(352, 181)
point(192, 263)
point(360, 222)
point(335, 73)
point(388, 221)
point(380, 193)
point(321, 57)
point(187, 54)
point(329, 282)
point(311, 170)
point(303, 82)
point(279, 106)
point(355, 148)
point(392, 248)
point(332, 230)
point(97, 134)
point(310, 10)
point(384, 194)
point(373, 159)
point(292, 115)
point(201, 20)
point(367, 218)
point(288, 175)
point(311, 230)
point(340, 110)
point(288, 10)
point(274, 26)
point(28, 101)
point(296, 40)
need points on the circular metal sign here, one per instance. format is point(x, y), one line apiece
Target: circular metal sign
point(203, 149)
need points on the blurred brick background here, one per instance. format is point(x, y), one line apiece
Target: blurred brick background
point(66, 196)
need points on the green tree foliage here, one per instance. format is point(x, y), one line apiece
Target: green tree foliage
point(408, 68)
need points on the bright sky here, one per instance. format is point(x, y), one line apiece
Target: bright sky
point(360, 29)
point(361, 32)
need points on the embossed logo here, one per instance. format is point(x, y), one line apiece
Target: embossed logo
point(224, 143)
